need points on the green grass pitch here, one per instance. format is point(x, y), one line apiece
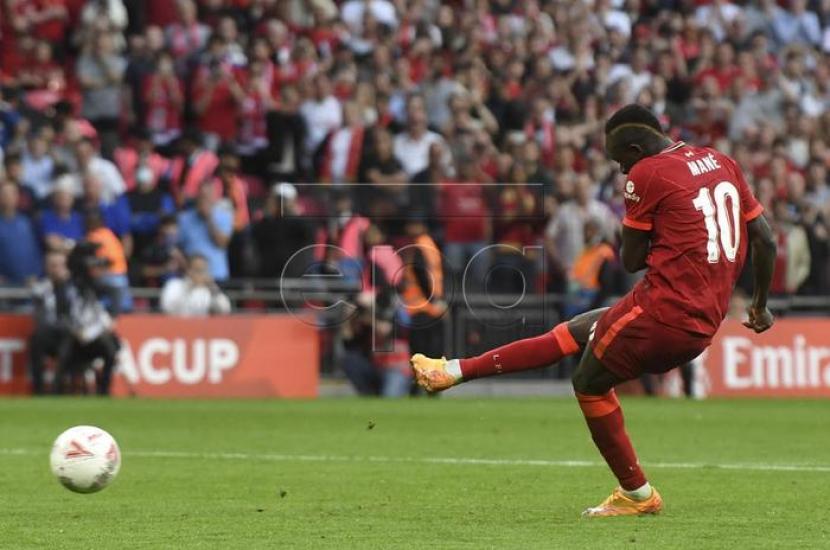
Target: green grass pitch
point(425, 473)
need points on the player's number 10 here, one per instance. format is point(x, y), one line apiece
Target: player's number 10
point(718, 220)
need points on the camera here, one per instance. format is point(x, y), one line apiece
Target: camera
point(83, 263)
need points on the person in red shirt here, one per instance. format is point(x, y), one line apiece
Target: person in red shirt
point(467, 223)
point(254, 103)
point(216, 93)
point(690, 221)
point(163, 94)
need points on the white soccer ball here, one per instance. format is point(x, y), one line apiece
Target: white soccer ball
point(85, 459)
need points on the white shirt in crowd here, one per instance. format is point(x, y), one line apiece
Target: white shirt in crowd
point(321, 117)
point(352, 13)
point(112, 183)
point(567, 228)
point(413, 154)
point(180, 297)
point(707, 18)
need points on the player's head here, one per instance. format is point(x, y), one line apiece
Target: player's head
point(633, 133)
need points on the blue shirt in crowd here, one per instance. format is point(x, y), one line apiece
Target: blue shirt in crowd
point(195, 238)
point(20, 254)
point(116, 216)
point(51, 223)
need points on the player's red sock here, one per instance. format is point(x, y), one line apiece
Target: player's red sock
point(530, 353)
point(605, 420)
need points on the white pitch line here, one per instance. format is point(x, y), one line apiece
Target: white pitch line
point(463, 461)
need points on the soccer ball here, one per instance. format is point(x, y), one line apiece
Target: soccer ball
point(85, 459)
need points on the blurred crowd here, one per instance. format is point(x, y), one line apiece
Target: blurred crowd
point(240, 132)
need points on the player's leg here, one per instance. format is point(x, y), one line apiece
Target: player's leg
point(531, 353)
point(594, 388)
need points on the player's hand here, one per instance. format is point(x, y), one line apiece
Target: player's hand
point(760, 319)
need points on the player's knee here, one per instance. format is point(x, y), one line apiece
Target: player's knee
point(585, 384)
point(580, 381)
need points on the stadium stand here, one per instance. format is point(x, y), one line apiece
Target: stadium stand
point(488, 111)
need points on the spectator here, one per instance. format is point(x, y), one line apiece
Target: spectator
point(792, 265)
point(147, 204)
point(230, 189)
point(100, 73)
point(188, 35)
point(423, 288)
point(37, 167)
point(796, 25)
point(344, 149)
point(412, 147)
point(593, 275)
point(20, 253)
point(465, 218)
point(111, 250)
point(281, 234)
point(321, 113)
point(159, 260)
point(232, 193)
point(383, 192)
point(206, 230)
point(162, 95)
point(518, 210)
point(196, 294)
point(115, 215)
point(191, 167)
point(375, 358)
point(146, 51)
point(253, 104)
point(60, 226)
point(216, 94)
point(566, 230)
point(89, 162)
point(51, 331)
point(137, 159)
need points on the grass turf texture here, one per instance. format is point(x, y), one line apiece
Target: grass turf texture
point(204, 499)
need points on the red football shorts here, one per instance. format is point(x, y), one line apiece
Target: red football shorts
point(629, 342)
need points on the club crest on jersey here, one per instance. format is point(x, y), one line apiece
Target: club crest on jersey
point(629, 192)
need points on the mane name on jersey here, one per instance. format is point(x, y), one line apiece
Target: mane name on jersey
point(703, 165)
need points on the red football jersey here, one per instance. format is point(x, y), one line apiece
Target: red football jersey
point(696, 204)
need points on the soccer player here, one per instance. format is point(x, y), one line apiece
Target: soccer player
point(690, 218)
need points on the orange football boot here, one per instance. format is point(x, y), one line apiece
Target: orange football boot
point(431, 374)
point(620, 505)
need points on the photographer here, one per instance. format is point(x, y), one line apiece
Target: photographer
point(51, 300)
point(72, 324)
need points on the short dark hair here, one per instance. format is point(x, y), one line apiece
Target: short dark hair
point(633, 114)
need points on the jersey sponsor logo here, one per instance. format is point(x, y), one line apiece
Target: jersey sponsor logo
point(629, 193)
point(703, 165)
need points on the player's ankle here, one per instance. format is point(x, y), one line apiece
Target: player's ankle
point(453, 368)
point(640, 493)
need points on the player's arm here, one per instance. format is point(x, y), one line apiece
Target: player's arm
point(763, 250)
point(635, 245)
